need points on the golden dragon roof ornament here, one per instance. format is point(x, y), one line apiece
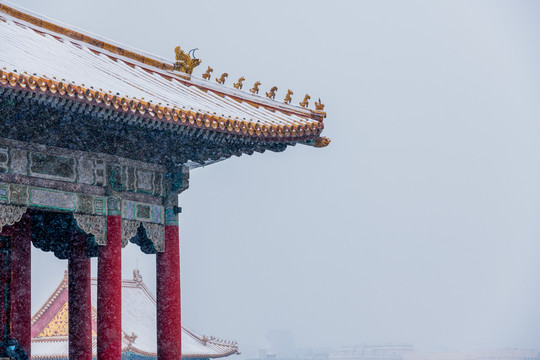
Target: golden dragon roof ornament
point(206, 75)
point(272, 93)
point(288, 97)
point(221, 80)
point(304, 103)
point(184, 62)
point(255, 88)
point(240, 83)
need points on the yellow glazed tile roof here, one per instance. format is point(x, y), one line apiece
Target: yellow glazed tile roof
point(43, 57)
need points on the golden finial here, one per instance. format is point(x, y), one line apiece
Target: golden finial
point(319, 105)
point(206, 75)
point(305, 102)
point(137, 276)
point(272, 93)
point(321, 141)
point(184, 62)
point(239, 84)
point(288, 98)
point(221, 80)
point(255, 89)
point(130, 339)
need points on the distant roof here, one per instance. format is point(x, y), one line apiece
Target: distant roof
point(45, 57)
point(50, 326)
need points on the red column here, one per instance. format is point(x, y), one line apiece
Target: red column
point(80, 309)
point(109, 293)
point(169, 329)
point(5, 286)
point(21, 283)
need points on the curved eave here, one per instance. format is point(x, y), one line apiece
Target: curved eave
point(162, 116)
point(221, 350)
point(134, 349)
point(210, 356)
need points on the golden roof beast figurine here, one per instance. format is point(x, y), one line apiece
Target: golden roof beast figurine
point(184, 62)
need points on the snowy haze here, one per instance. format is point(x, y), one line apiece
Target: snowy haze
point(420, 223)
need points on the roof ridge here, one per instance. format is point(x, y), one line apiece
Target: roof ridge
point(63, 285)
point(75, 33)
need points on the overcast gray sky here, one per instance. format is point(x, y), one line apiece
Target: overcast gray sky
point(419, 223)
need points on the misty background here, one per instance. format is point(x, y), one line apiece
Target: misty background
point(419, 223)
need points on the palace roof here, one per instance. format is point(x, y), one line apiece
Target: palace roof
point(47, 60)
point(50, 326)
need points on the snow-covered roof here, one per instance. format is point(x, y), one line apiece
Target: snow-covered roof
point(50, 326)
point(45, 57)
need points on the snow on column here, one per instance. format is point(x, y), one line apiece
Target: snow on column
point(169, 328)
point(80, 311)
point(21, 314)
point(109, 292)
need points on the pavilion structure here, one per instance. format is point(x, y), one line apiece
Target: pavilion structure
point(97, 142)
point(50, 327)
